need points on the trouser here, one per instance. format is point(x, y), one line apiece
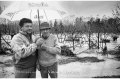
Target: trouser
point(25, 73)
point(49, 70)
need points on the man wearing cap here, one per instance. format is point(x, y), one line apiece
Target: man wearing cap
point(24, 47)
point(47, 50)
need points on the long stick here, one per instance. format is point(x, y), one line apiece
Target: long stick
point(89, 37)
point(98, 39)
point(6, 41)
point(39, 21)
point(0, 39)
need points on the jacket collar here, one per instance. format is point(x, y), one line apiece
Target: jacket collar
point(28, 36)
point(24, 33)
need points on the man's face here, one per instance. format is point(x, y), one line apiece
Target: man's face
point(27, 27)
point(46, 33)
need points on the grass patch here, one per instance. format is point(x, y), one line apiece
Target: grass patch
point(1, 63)
point(82, 60)
point(89, 59)
point(118, 68)
point(2, 52)
point(7, 63)
point(117, 58)
point(112, 52)
point(112, 76)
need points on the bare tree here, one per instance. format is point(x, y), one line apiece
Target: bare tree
point(90, 24)
point(116, 20)
point(73, 31)
point(116, 12)
point(0, 30)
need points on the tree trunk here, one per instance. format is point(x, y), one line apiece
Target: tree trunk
point(73, 41)
point(98, 39)
point(89, 41)
point(73, 44)
point(89, 36)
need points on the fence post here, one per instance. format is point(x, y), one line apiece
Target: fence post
point(0, 41)
point(73, 39)
point(89, 40)
point(98, 39)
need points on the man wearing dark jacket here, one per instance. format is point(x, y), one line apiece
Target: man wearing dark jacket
point(24, 47)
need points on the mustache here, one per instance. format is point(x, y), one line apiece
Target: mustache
point(44, 36)
point(29, 30)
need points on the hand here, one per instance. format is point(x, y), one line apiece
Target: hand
point(43, 46)
point(39, 42)
point(35, 38)
point(33, 46)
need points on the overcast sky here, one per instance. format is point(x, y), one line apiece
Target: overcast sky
point(88, 8)
point(83, 8)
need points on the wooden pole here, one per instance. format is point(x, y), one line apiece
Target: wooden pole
point(98, 39)
point(89, 37)
point(73, 39)
point(89, 41)
point(39, 21)
point(0, 41)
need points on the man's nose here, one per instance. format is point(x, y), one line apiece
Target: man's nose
point(30, 27)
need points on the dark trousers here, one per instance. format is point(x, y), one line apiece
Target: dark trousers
point(25, 73)
point(50, 70)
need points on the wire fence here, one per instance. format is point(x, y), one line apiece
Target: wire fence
point(72, 41)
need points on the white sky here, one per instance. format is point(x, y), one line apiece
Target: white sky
point(82, 8)
point(90, 8)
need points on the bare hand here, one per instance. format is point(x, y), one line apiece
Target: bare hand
point(43, 46)
point(39, 42)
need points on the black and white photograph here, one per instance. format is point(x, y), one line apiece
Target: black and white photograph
point(59, 39)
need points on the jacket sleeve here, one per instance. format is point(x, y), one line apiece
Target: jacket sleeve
point(20, 49)
point(56, 49)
